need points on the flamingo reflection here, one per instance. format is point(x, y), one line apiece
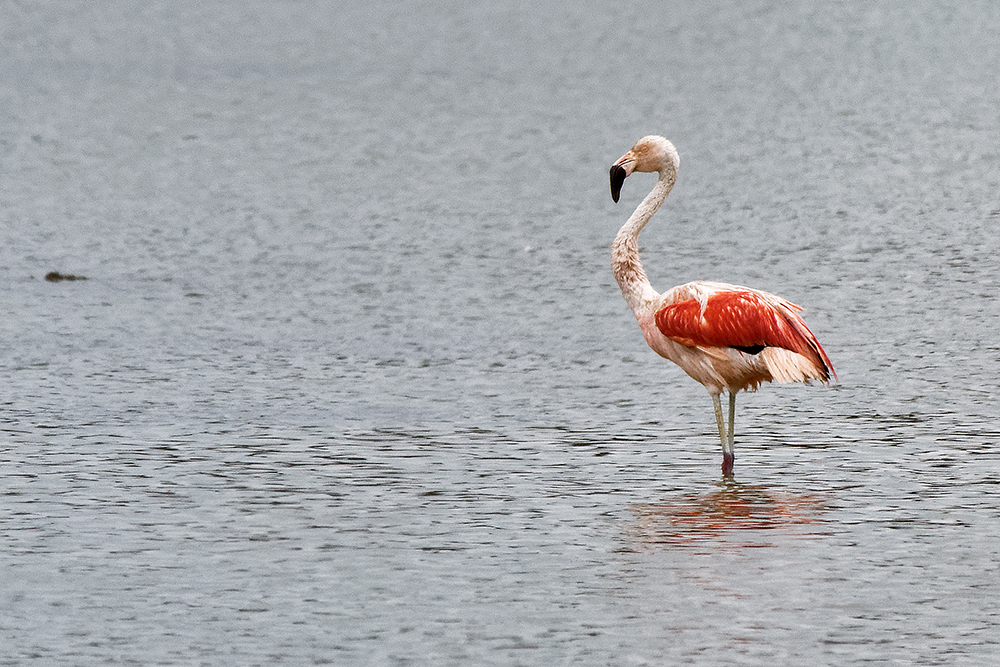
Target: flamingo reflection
point(733, 513)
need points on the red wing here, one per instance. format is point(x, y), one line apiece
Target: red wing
point(736, 319)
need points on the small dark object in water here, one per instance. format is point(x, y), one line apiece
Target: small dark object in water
point(55, 276)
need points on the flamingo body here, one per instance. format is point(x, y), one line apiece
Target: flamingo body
point(727, 337)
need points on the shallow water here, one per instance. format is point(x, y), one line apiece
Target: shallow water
point(350, 382)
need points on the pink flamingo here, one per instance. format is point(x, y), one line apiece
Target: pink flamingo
point(726, 337)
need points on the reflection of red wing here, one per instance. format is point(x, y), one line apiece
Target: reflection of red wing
point(731, 518)
point(737, 319)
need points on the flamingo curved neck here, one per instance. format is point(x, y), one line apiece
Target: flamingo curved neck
point(631, 277)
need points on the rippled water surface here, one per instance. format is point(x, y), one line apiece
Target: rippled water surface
point(349, 380)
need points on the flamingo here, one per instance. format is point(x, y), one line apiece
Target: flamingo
point(727, 337)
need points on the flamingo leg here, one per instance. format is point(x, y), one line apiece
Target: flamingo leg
point(729, 457)
point(724, 438)
point(720, 420)
point(732, 423)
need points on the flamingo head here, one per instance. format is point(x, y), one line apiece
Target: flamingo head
point(652, 153)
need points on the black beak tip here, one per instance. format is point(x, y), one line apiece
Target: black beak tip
point(617, 178)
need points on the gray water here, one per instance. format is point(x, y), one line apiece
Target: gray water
point(349, 380)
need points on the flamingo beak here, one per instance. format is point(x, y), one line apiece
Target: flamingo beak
point(619, 172)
